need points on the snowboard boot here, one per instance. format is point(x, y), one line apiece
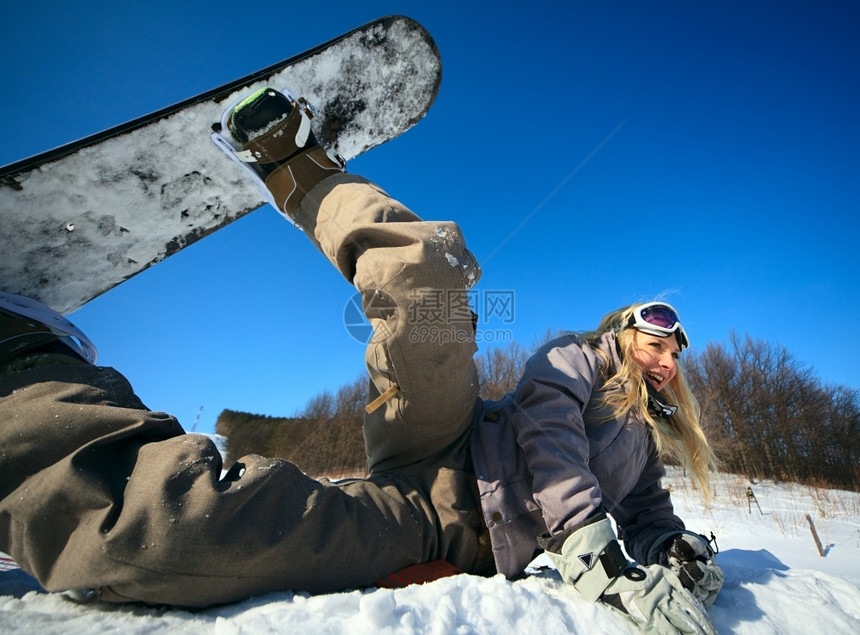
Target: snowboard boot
point(279, 147)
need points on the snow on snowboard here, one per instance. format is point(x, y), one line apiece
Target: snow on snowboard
point(81, 219)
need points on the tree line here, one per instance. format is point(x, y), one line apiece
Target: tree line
point(766, 414)
point(324, 439)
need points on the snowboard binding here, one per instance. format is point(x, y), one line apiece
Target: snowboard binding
point(269, 133)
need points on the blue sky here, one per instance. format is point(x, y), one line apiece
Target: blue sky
point(725, 177)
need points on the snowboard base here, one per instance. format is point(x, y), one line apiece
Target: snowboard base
point(81, 219)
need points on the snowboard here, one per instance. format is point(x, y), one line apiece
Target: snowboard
point(80, 219)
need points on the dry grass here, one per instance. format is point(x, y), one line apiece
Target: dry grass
point(780, 507)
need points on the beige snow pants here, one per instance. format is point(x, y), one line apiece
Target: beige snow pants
point(99, 493)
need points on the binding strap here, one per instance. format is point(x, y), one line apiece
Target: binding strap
point(271, 146)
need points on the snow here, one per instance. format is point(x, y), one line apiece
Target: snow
point(776, 582)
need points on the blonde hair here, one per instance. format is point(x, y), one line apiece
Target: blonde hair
point(681, 436)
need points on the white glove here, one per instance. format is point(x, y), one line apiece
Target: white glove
point(691, 558)
point(591, 559)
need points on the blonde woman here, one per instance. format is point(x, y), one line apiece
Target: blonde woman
point(580, 438)
point(103, 497)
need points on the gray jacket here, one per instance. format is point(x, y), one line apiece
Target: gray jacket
point(547, 458)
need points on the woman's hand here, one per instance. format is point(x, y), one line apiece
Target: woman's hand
point(692, 559)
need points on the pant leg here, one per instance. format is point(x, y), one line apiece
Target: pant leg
point(100, 493)
point(413, 276)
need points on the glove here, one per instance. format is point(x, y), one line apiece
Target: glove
point(590, 558)
point(691, 558)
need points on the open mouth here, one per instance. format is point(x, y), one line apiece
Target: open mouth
point(656, 379)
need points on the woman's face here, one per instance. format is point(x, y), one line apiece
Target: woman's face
point(657, 357)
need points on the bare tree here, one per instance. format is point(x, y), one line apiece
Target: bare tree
point(499, 370)
point(768, 416)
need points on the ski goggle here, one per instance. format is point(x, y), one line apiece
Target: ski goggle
point(660, 319)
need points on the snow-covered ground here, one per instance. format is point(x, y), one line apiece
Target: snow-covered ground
point(776, 582)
